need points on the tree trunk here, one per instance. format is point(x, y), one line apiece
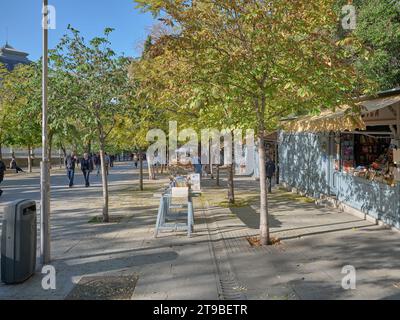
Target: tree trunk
point(64, 151)
point(140, 171)
point(231, 187)
point(231, 174)
point(218, 175)
point(264, 226)
point(104, 178)
point(1, 152)
point(61, 159)
point(29, 159)
point(211, 168)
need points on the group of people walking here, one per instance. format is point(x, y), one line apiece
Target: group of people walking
point(88, 163)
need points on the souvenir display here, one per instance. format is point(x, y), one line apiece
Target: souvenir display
point(347, 147)
point(396, 156)
point(369, 157)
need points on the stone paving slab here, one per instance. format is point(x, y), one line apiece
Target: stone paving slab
point(170, 267)
point(316, 243)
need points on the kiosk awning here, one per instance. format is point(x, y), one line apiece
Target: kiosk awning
point(346, 118)
point(342, 119)
point(379, 103)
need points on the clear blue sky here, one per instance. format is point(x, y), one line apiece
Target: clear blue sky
point(23, 20)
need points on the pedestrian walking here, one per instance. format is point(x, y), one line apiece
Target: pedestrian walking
point(3, 169)
point(270, 172)
point(87, 168)
point(97, 163)
point(136, 159)
point(14, 165)
point(197, 166)
point(112, 159)
point(70, 164)
point(107, 161)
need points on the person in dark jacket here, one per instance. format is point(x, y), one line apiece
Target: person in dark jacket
point(86, 167)
point(70, 164)
point(2, 171)
point(14, 165)
point(270, 172)
point(112, 159)
point(97, 162)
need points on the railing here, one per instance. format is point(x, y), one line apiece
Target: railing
point(170, 212)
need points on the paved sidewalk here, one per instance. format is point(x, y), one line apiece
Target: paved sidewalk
point(316, 243)
point(169, 267)
point(218, 262)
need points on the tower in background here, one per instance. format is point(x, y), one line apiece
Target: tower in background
point(11, 57)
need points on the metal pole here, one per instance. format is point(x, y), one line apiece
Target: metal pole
point(45, 174)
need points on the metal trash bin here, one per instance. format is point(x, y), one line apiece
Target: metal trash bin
point(18, 242)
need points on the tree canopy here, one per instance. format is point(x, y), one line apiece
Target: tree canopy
point(248, 64)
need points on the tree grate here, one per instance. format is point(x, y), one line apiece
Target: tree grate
point(104, 288)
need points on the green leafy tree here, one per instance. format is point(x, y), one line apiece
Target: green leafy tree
point(21, 107)
point(378, 28)
point(3, 111)
point(269, 58)
point(375, 43)
point(98, 85)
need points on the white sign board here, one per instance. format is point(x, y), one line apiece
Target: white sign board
point(180, 192)
point(195, 181)
point(396, 173)
point(396, 156)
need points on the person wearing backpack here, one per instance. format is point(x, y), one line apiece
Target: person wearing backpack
point(70, 164)
point(3, 169)
point(87, 168)
point(270, 169)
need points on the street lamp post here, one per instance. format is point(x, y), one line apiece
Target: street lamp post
point(45, 168)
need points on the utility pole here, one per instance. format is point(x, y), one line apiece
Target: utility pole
point(45, 172)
